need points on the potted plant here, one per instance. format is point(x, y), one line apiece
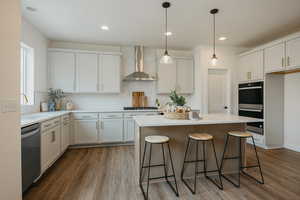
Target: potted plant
point(176, 109)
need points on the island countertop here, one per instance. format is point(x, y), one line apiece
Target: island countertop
point(159, 120)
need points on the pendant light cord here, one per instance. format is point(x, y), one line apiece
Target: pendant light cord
point(214, 34)
point(166, 28)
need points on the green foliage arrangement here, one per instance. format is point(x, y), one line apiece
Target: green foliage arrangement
point(176, 99)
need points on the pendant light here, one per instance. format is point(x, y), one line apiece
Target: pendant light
point(214, 58)
point(166, 58)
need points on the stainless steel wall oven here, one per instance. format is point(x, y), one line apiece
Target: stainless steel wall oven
point(251, 104)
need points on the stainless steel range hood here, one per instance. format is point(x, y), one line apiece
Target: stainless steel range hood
point(139, 74)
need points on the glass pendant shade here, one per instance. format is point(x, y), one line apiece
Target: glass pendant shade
point(214, 60)
point(166, 58)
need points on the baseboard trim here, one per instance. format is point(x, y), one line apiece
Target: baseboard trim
point(292, 147)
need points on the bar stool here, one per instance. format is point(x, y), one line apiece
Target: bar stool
point(240, 136)
point(159, 140)
point(201, 137)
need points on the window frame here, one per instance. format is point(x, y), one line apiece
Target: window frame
point(26, 75)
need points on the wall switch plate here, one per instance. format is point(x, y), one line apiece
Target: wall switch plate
point(8, 105)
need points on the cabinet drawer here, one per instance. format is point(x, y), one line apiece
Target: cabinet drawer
point(85, 115)
point(111, 115)
point(66, 118)
point(50, 124)
point(130, 115)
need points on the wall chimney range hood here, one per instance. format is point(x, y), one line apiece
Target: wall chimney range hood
point(139, 74)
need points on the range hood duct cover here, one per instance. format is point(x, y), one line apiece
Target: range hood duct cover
point(139, 74)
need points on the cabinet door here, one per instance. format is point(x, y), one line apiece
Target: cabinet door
point(50, 147)
point(293, 53)
point(110, 76)
point(85, 131)
point(65, 136)
point(243, 68)
point(185, 76)
point(129, 133)
point(87, 72)
point(111, 130)
point(257, 65)
point(62, 71)
point(274, 58)
point(166, 75)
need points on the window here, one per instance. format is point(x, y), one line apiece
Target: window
point(27, 75)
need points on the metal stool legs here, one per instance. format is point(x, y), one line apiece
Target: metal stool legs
point(196, 161)
point(241, 167)
point(166, 176)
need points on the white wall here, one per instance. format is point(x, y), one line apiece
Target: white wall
point(35, 39)
point(227, 58)
point(291, 111)
point(10, 143)
point(117, 101)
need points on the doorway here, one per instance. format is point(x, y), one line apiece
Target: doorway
point(218, 91)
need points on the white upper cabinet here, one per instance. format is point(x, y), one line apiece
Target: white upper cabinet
point(109, 73)
point(166, 77)
point(86, 72)
point(179, 75)
point(275, 58)
point(293, 53)
point(251, 66)
point(62, 71)
point(185, 74)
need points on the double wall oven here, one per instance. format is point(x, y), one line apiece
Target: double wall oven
point(251, 104)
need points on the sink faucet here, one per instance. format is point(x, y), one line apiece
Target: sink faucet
point(25, 97)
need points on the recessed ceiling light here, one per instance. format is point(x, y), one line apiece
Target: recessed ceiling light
point(105, 28)
point(222, 38)
point(31, 9)
point(169, 33)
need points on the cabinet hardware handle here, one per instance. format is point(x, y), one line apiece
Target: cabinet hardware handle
point(53, 136)
point(282, 62)
point(288, 61)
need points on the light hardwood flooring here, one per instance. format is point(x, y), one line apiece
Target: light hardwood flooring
point(108, 174)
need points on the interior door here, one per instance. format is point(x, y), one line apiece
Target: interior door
point(293, 53)
point(62, 68)
point(87, 72)
point(110, 75)
point(185, 76)
point(166, 77)
point(218, 92)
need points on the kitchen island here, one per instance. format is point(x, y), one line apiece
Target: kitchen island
point(217, 125)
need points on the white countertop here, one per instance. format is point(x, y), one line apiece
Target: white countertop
point(28, 119)
point(33, 118)
point(159, 120)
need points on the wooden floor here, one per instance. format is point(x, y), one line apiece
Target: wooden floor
point(107, 174)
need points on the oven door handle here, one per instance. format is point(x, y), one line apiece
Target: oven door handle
point(251, 110)
point(250, 88)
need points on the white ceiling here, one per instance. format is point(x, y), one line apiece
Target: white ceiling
point(244, 22)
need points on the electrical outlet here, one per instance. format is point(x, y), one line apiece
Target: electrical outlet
point(8, 105)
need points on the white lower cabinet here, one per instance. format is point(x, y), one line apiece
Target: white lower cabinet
point(111, 130)
point(129, 132)
point(50, 146)
point(85, 131)
point(65, 136)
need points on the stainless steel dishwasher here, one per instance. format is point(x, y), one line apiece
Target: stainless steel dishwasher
point(31, 155)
